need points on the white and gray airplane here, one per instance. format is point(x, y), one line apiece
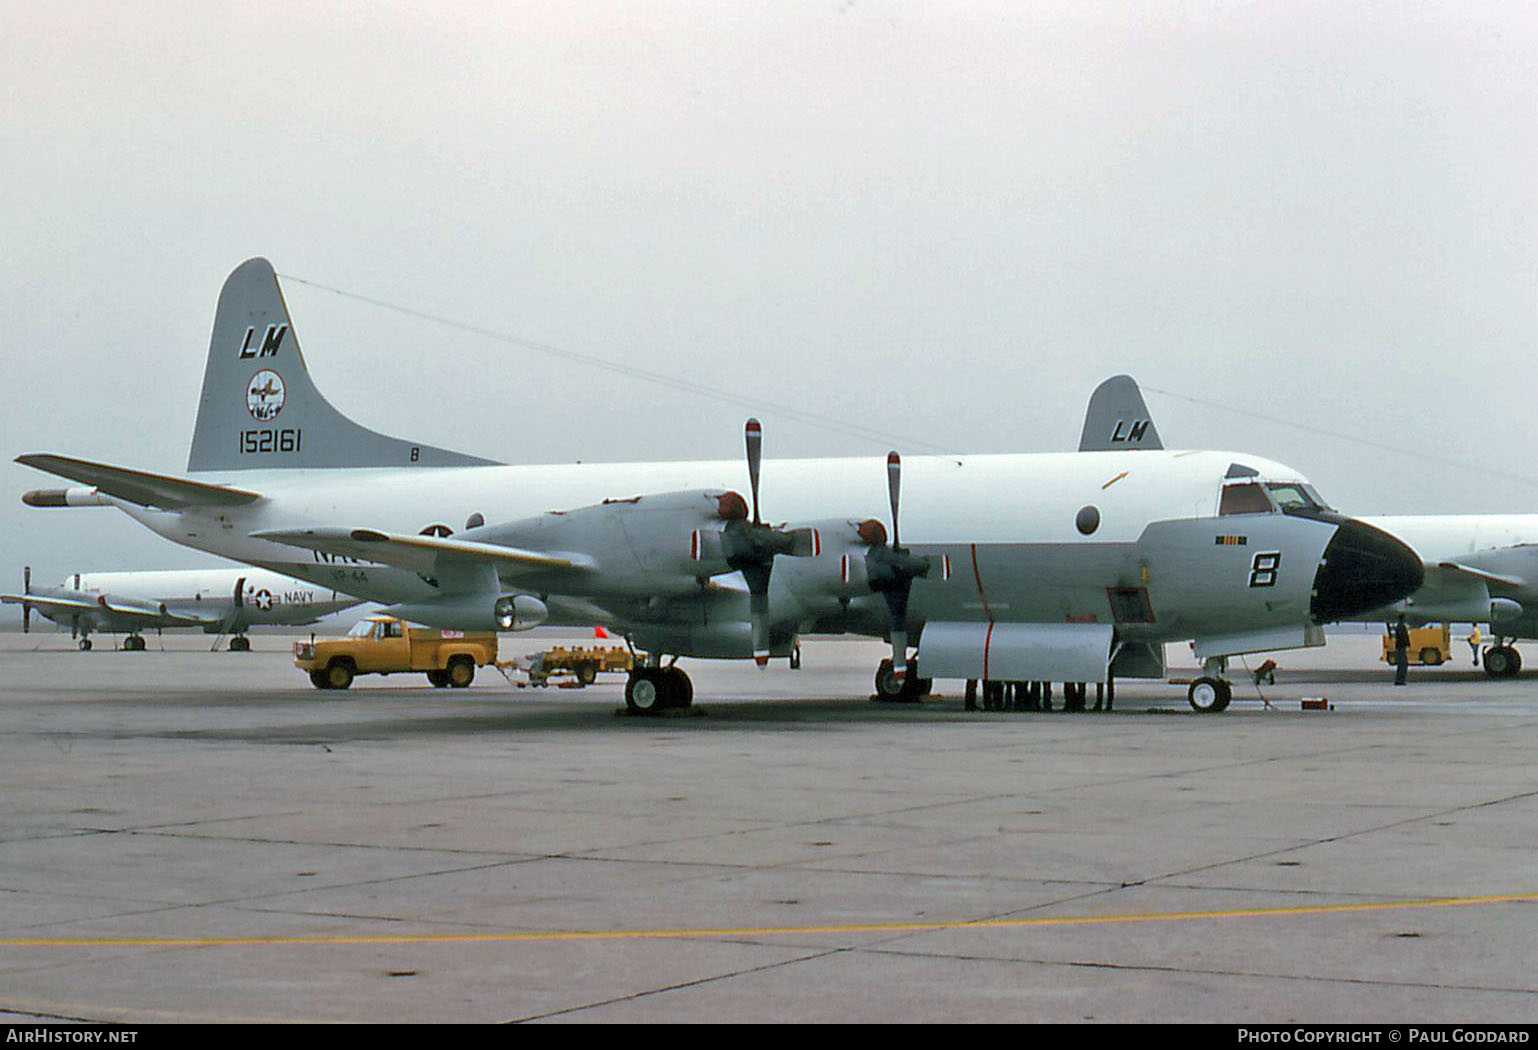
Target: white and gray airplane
point(1052, 567)
point(1478, 568)
point(217, 601)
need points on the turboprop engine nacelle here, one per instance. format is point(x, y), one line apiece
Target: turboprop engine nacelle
point(519, 612)
point(512, 612)
point(842, 569)
point(656, 544)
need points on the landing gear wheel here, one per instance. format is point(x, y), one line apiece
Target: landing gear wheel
point(133, 644)
point(677, 689)
point(643, 691)
point(1502, 661)
point(85, 645)
point(460, 672)
point(890, 688)
point(1209, 695)
point(438, 678)
point(240, 644)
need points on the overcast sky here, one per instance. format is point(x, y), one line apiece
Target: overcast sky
point(944, 222)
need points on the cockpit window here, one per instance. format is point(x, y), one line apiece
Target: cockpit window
point(1248, 498)
point(1295, 497)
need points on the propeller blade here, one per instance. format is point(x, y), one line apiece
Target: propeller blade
point(754, 436)
point(758, 606)
point(891, 570)
point(751, 547)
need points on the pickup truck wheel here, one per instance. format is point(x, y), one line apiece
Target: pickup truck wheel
point(587, 673)
point(318, 680)
point(338, 675)
point(461, 672)
point(438, 678)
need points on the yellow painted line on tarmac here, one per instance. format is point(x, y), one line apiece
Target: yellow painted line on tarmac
point(758, 931)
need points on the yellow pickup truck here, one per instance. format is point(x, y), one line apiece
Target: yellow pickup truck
point(385, 645)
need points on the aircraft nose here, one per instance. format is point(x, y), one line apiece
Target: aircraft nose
point(1364, 568)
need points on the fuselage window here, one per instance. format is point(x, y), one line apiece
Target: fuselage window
point(1244, 499)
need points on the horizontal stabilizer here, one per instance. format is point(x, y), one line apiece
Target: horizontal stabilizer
point(137, 486)
point(421, 554)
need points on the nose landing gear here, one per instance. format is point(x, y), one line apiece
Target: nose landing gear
point(1212, 692)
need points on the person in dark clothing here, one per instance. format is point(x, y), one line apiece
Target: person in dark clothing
point(1401, 651)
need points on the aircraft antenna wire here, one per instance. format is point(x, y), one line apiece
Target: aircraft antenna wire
point(876, 437)
point(1446, 461)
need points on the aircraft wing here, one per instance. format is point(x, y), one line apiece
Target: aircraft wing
point(137, 486)
point(131, 609)
point(62, 606)
point(1481, 574)
point(424, 554)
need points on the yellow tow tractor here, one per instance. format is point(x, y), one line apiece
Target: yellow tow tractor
point(1429, 646)
point(385, 645)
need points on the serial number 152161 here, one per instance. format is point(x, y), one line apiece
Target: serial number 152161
point(285, 440)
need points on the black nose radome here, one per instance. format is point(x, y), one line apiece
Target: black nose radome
point(1364, 568)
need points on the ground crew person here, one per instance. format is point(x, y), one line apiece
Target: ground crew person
point(1474, 641)
point(1401, 651)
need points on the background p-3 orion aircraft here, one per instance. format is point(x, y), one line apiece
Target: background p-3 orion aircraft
point(217, 601)
point(1053, 567)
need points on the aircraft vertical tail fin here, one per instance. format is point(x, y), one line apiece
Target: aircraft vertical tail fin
point(259, 408)
point(1118, 419)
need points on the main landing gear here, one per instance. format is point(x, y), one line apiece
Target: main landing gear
point(654, 688)
point(1502, 660)
point(240, 644)
point(905, 690)
point(133, 644)
point(1212, 692)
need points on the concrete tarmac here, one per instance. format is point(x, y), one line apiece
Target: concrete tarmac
point(201, 836)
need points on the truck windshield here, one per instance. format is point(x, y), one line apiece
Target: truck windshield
point(361, 629)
